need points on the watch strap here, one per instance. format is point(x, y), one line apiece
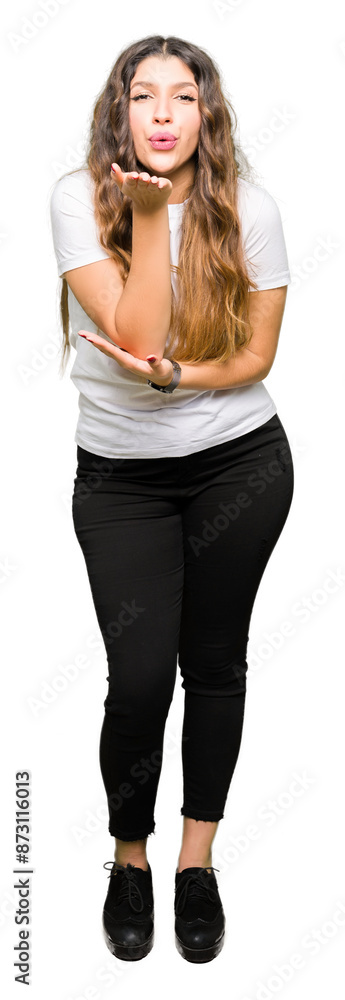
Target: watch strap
point(174, 381)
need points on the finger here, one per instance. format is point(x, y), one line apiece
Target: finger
point(82, 333)
point(92, 336)
point(121, 177)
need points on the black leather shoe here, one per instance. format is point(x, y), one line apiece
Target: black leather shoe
point(199, 915)
point(129, 912)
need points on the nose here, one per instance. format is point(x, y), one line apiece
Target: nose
point(162, 111)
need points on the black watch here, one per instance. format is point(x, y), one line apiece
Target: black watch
point(174, 382)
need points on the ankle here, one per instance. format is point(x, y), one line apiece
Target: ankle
point(193, 861)
point(131, 859)
point(125, 857)
point(131, 852)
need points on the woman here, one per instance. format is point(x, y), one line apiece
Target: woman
point(185, 476)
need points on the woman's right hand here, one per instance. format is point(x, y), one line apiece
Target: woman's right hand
point(146, 192)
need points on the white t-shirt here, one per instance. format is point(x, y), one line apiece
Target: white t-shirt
point(120, 416)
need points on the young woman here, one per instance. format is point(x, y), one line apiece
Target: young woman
point(185, 477)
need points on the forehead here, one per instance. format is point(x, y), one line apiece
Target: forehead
point(164, 71)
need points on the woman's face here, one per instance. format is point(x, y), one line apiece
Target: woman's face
point(164, 99)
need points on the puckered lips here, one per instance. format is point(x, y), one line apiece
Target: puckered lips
point(163, 140)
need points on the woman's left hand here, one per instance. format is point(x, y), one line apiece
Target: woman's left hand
point(158, 371)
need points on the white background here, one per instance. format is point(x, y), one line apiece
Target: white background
point(283, 65)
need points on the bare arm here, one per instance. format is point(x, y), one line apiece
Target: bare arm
point(142, 316)
point(250, 364)
point(135, 315)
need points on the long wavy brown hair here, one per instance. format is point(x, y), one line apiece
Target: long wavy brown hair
point(209, 314)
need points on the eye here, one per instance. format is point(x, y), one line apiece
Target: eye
point(186, 97)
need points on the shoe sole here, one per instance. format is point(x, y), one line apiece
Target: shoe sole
point(199, 954)
point(128, 953)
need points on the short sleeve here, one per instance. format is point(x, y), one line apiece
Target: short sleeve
point(264, 242)
point(74, 231)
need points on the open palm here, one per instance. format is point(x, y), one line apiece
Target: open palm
point(158, 371)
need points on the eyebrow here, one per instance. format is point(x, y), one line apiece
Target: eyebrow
point(150, 83)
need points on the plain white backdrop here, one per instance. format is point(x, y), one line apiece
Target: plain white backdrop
point(279, 848)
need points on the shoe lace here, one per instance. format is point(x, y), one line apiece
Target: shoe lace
point(196, 884)
point(129, 888)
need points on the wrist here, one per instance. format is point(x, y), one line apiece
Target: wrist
point(167, 384)
point(152, 211)
point(160, 379)
point(167, 378)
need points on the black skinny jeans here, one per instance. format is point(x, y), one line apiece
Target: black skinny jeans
point(175, 549)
